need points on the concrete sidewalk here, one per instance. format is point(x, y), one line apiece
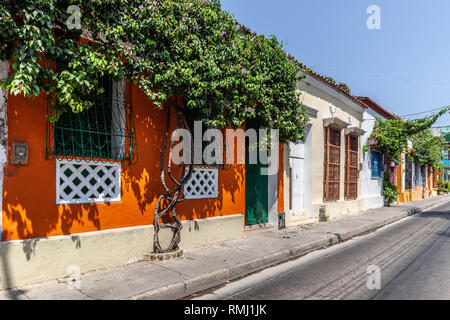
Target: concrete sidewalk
point(205, 267)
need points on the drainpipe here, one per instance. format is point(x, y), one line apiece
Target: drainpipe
point(4, 70)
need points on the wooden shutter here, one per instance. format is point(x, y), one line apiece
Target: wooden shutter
point(351, 167)
point(332, 163)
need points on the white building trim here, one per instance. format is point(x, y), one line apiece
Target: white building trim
point(370, 187)
point(203, 184)
point(87, 182)
point(334, 93)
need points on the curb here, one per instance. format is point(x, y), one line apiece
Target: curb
point(212, 279)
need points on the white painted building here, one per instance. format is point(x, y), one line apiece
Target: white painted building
point(322, 178)
point(373, 159)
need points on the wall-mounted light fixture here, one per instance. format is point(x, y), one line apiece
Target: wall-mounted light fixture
point(332, 110)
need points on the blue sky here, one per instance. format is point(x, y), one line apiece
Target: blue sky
point(405, 66)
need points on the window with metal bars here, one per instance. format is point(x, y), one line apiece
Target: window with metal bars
point(424, 175)
point(409, 173)
point(88, 133)
point(417, 174)
point(104, 132)
point(351, 167)
point(332, 163)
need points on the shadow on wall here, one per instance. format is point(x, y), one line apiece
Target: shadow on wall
point(143, 186)
point(29, 208)
point(40, 222)
point(145, 181)
point(29, 192)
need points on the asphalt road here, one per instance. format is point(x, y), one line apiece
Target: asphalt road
point(409, 259)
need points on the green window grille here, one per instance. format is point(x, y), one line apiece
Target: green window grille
point(104, 132)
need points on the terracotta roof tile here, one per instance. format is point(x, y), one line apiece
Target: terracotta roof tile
point(377, 108)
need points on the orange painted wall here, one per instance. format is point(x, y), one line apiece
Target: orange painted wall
point(416, 194)
point(29, 192)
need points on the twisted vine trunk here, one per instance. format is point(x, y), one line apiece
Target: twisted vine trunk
point(168, 201)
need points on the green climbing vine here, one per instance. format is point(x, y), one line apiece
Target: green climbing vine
point(193, 50)
point(427, 149)
point(190, 48)
point(389, 190)
point(391, 137)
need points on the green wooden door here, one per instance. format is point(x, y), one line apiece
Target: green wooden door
point(256, 185)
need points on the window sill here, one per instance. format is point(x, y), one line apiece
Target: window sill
point(97, 201)
point(336, 201)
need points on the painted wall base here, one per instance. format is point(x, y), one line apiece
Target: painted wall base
point(416, 194)
point(29, 261)
point(340, 208)
point(373, 202)
point(293, 221)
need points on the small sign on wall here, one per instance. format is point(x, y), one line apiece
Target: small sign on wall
point(20, 153)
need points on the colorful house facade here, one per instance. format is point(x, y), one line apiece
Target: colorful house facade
point(414, 182)
point(374, 161)
point(444, 132)
point(324, 171)
point(82, 191)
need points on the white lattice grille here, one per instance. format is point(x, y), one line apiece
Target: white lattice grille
point(203, 184)
point(82, 182)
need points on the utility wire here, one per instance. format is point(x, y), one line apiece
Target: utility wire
point(415, 114)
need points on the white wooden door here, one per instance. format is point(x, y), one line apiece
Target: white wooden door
point(297, 163)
